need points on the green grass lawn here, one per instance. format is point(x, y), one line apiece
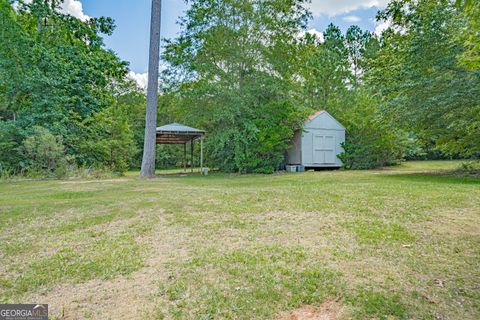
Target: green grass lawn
point(397, 243)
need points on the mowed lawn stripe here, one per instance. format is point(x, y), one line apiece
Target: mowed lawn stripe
point(397, 243)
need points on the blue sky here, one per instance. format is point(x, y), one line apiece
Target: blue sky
point(132, 18)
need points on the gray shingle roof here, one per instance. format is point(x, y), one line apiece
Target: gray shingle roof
point(176, 133)
point(177, 127)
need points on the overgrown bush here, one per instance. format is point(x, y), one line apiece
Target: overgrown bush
point(256, 142)
point(171, 155)
point(470, 168)
point(10, 142)
point(57, 78)
point(108, 142)
point(44, 153)
point(413, 148)
point(371, 140)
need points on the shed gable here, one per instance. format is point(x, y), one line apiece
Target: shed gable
point(323, 120)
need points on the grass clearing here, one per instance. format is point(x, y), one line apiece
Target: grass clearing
point(387, 244)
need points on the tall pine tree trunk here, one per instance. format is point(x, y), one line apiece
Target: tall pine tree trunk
point(148, 162)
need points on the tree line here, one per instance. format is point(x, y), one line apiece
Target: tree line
point(249, 74)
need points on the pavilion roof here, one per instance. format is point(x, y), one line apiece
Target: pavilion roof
point(176, 133)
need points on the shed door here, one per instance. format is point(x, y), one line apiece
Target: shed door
point(323, 148)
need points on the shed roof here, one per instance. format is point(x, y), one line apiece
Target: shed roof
point(313, 116)
point(316, 114)
point(176, 133)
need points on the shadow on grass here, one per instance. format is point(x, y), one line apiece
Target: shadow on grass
point(435, 177)
point(176, 174)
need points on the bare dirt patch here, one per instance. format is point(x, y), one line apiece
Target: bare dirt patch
point(126, 297)
point(329, 310)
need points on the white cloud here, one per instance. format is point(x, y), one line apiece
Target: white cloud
point(140, 78)
point(351, 19)
point(381, 26)
point(71, 7)
point(334, 7)
point(74, 8)
point(314, 32)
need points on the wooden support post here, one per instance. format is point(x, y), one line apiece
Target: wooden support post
point(185, 157)
point(201, 155)
point(191, 151)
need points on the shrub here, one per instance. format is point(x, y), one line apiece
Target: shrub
point(171, 155)
point(10, 141)
point(470, 168)
point(43, 152)
point(108, 142)
point(414, 150)
point(371, 141)
point(255, 143)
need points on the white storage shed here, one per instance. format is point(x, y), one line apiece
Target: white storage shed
point(319, 143)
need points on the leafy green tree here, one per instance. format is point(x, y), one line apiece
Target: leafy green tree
point(12, 63)
point(132, 101)
point(109, 140)
point(231, 74)
point(10, 141)
point(356, 42)
point(417, 72)
point(64, 76)
point(372, 142)
point(54, 72)
point(43, 151)
point(331, 74)
point(470, 35)
point(324, 70)
point(240, 70)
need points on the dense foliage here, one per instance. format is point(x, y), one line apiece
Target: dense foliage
point(424, 85)
point(470, 35)
point(230, 73)
point(248, 73)
point(244, 71)
point(59, 84)
point(332, 79)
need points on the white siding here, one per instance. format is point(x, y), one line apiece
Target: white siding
point(321, 141)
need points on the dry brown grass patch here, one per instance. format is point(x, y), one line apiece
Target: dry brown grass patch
point(329, 310)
